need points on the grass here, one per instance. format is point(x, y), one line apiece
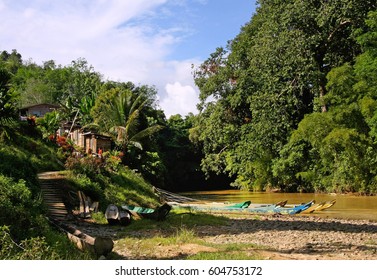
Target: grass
point(177, 238)
point(175, 220)
point(234, 255)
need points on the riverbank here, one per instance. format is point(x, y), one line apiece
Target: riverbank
point(303, 237)
point(272, 237)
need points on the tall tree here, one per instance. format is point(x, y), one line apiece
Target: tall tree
point(335, 150)
point(254, 94)
point(118, 111)
point(8, 100)
point(80, 90)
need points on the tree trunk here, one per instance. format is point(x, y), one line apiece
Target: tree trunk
point(322, 92)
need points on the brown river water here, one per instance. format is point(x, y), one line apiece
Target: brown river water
point(346, 206)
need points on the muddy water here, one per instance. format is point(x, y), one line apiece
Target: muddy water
point(346, 206)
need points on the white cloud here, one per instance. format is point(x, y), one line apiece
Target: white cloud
point(115, 36)
point(180, 99)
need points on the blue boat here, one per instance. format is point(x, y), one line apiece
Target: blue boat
point(295, 209)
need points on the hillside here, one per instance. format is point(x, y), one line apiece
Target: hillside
point(23, 227)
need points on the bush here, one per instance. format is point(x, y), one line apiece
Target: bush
point(16, 205)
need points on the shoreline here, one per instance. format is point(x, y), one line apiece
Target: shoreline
point(276, 237)
point(304, 237)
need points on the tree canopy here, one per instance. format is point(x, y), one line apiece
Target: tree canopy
point(269, 81)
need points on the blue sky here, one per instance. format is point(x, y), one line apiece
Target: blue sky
point(151, 42)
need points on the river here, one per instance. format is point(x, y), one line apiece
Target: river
point(346, 206)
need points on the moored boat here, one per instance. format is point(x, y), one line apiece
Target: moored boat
point(158, 213)
point(294, 209)
point(112, 214)
point(116, 216)
point(252, 208)
point(312, 208)
point(326, 205)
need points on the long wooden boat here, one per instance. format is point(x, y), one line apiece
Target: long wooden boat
point(312, 208)
point(201, 204)
point(295, 209)
point(158, 213)
point(326, 205)
point(96, 245)
point(252, 208)
point(317, 207)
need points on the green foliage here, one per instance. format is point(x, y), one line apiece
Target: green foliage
point(179, 156)
point(50, 123)
point(16, 205)
point(52, 246)
point(107, 186)
point(335, 151)
point(256, 93)
point(118, 111)
point(128, 187)
point(8, 101)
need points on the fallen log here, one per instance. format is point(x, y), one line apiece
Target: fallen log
point(99, 246)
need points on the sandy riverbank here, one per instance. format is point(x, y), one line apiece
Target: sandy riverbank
point(276, 236)
point(302, 237)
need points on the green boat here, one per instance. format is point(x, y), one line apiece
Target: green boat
point(157, 214)
point(252, 208)
point(212, 205)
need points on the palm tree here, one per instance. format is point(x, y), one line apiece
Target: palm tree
point(118, 111)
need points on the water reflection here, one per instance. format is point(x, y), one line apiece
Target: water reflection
point(346, 206)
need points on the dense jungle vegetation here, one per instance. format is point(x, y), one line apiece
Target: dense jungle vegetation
point(290, 103)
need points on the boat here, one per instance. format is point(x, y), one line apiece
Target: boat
point(125, 217)
point(317, 207)
point(112, 214)
point(326, 205)
point(116, 216)
point(158, 214)
point(253, 208)
point(312, 208)
point(225, 205)
point(294, 209)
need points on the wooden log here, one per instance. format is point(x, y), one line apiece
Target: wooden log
point(84, 205)
point(99, 246)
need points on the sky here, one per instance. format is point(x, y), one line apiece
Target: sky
point(147, 42)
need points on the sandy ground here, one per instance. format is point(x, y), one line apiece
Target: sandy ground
point(303, 237)
point(278, 237)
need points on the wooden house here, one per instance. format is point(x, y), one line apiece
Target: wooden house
point(94, 142)
point(89, 141)
point(38, 110)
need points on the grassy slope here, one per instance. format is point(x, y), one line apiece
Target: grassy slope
point(23, 154)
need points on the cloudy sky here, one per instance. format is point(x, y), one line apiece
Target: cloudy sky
point(151, 42)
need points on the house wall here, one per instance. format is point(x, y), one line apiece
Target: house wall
point(103, 144)
point(90, 141)
point(39, 110)
point(88, 144)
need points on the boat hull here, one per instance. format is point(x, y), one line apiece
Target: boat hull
point(252, 209)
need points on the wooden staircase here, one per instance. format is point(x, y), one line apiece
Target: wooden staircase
point(52, 193)
point(52, 186)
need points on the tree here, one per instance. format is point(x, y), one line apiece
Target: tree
point(8, 100)
point(118, 111)
point(255, 93)
point(80, 90)
point(335, 150)
point(9, 64)
point(11, 61)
